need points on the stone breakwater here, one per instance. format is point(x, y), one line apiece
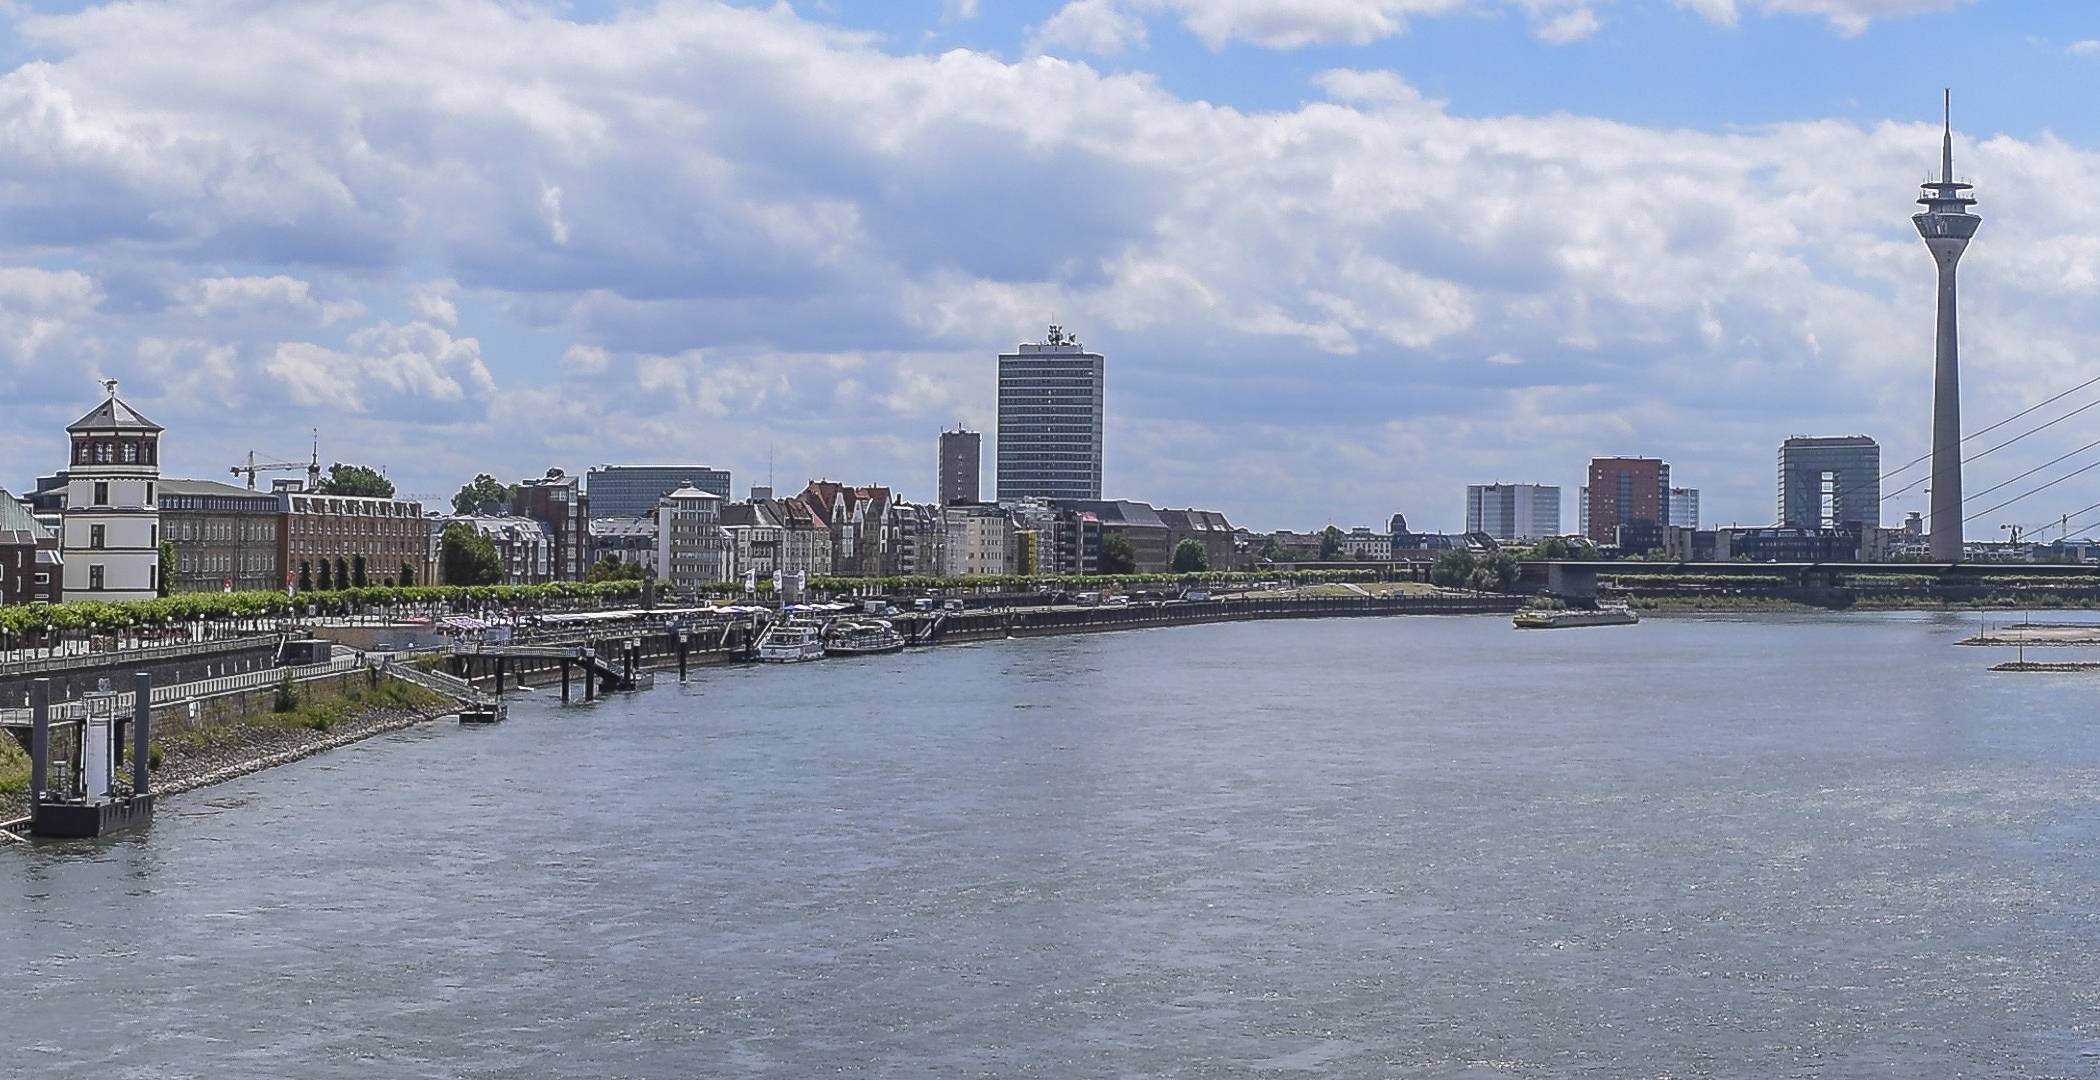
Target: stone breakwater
point(235, 750)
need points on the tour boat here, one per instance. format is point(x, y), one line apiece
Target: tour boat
point(864, 638)
point(792, 643)
point(1551, 619)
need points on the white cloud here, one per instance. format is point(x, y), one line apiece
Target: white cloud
point(274, 296)
point(1847, 17)
point(725, 212)
point(433, 302)
point(2087, 47)
point(1110, 27)
point(1099, 27)
point(416, 367)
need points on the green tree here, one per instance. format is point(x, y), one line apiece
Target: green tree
point(1330, 544)
point(306, 576)
point(167, 568)
point(358, 580)
point(1190, 558)
point(342, 573)
point(408, 576)
point(327, 582)
point(1117, 556)
point(610, 568)
point(482, 489)
point(1495, 573)
point(1453, 569)
point(345, 479)
point(466, 557)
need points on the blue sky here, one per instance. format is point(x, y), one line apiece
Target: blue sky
point(1344, 256)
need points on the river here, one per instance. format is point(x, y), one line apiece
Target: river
point(1759, 846)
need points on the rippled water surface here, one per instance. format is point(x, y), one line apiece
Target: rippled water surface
point(1416, 847)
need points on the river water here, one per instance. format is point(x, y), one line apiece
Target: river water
point(1412, 847)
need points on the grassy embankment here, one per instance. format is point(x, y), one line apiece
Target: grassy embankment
point(293, 711)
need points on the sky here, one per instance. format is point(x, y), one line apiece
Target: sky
point(1344, 257)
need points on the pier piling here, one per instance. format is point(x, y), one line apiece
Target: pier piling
point(39, 740)
point(141, 732)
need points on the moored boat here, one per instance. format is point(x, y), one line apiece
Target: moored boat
point(863, 639)
point(792, 643)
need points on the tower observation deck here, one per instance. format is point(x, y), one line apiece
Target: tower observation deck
point(1946, 226)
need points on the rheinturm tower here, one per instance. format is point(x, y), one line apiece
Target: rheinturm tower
point(1946, 224)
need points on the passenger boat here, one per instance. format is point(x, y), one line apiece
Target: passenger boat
point(791, 644)
point(864, 638)
point(1554, 619)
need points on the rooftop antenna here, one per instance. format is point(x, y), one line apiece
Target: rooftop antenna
point(109, 386)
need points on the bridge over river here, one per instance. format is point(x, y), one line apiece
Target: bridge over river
point(1578, 579)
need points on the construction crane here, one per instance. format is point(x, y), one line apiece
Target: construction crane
point(312, 467)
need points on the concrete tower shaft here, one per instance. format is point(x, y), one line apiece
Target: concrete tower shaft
point(1946, 226)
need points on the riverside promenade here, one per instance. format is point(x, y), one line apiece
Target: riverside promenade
point(658, 646)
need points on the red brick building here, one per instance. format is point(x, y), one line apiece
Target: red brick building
point(1631, 492)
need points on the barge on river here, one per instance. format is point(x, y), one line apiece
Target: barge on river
point(1550, 619)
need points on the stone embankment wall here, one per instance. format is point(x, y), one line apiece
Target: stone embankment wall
point(73, 676)
point(982, 625)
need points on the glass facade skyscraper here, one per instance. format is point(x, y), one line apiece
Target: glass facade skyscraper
point(1513, 511)
point(1050, 410)
point(626, 491)
point(1830, 483)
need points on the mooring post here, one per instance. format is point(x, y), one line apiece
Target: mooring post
point(141, 731)
point(590, 681)
point(502, 665)
point(683, 649)
point(39, 739)
point(565, 680)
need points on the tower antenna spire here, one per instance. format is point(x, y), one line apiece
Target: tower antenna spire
point(1947, 136)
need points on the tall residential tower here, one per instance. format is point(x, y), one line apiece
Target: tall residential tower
point(1946, 225)
point(960, 450)
point(1050, 406)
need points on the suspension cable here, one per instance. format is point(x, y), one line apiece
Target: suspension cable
point(2032, 491)
point(1982, 453)
point(1985, 431)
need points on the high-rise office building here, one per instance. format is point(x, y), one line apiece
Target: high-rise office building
point(1513, 511)
point(1684, 508)
point(1627, 492)
point(960, 473)
point(1050, 409)
point(1830, 483)
point(627, 491)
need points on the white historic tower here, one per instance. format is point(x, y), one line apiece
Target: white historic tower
point(111, 535)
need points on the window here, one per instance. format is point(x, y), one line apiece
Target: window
point(101, 493)
point(95, 577)
point(149, 493)
point(97, 536)
point(131, 453)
